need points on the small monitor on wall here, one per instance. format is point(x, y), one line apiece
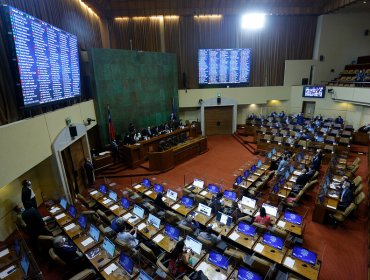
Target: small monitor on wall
point(314, 91)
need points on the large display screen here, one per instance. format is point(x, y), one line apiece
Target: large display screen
point(46, 59)
point(224, 66)
point(314, 91)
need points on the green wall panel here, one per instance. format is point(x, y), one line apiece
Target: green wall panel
point(138, 86)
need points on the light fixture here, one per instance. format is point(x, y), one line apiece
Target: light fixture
point(253, 21)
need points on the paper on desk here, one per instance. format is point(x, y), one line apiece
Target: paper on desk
point(158, 238)
point(141, 226)
point(53, 210)
point(289, 262)
point(210, 272)
point(176, 206)
point(281, 224)
point(70, 226)
point(109, 269)
point(164, 198)
point(259, 248)
point(234, 236)
point(60, 216)
point(112, 184)
point(4, 252)
point(6, 272)
point(131, 220)
point(296, 172)
point(214, 226)
point(93, 192)
point(114, 207)
point(107, 201)
point(293, 179)
point(332, 207)
point(137, 186)
point(281, 195)
point(148, 192)
point(87, 241)
point(128, 215)
point(203, 192)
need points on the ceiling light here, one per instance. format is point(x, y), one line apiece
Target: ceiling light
point(253, 21)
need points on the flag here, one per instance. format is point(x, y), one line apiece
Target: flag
point(112, 135)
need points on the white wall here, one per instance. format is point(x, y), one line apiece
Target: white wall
point(295, 70)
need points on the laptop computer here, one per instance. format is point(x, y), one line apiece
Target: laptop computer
point(259, 163)
point(146, 182)
point(247, 274)
point(249, 202)
point(198, 183)
point(109, 247)
point(172, 232)
point(193, 244)
point(273, 241)
point(82, 221)
point(103, 189)
point(224, 219)
point(287, 175)
point(270, 210)
point(25, 264)
point(275, 189)
point(72, 211)
point(187, 201)
point(282, 181)
point(154, 221)
point(94, 233)
point(125, 203)
point(269, 155)
point(213, 189)
point(218, 260)
point(304, 255)
point(127, 263)
point(293, 218)
point(230, 195)
point(273, 151)
point(172, 195)
point(144, 276)
point(158, 188)
point(63, 203)
point(138, 211)
point(291, 168)
point(113, 196)
point(239, 180)
point(247, 229)
point(253, 168)
point(203, 209)
point(246, 173)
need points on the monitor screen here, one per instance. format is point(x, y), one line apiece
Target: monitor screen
point(275, 189)
point(172, 232)
point(204, 209)
point(127, 263)
point(193, 244)
point(154, 221)
point(146, 182)
point(273, 151)
point(113, 195)
point(314, 91)
point(45, 59)
point(198, 183)
point(282, 181)
point(269, 155)
point(249, 202)
point(224, 66)
point(291, 169)
point(246, 173)
point(82, 221)
point(138, 211)
point(287, 174)
point(63, 203)
point(213, 188)
point(158, 188)
point(109, 247)
point(72, 211)
point(172, 195)
point(25, 264)
point(187, 201)
point(17, 247)
point(144, 276)
point(218, 260)
point(259, 163)
point(125, 203)
point(270, 210)
point(224, 219)
point(293, 218)
point(247, 274)
point(230, 195)
point(103, 189)
point(247, 229)
point(273, 241)
point(253, 168)
point(239, 180)
point(304, 255)
point(94, 233)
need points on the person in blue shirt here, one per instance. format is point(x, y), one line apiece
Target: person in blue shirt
point(118, 224)
point(339, 120)
point(300, 119)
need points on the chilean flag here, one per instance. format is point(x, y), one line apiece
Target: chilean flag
point(112, 135)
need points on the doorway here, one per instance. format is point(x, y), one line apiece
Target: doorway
point(218, 120)
point(308, 109)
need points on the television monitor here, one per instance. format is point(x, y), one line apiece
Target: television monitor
point(273, 151)
point(304, 255)
point(247, 274)
point(193, 244)
point(146, 182)
point(94, 233)
point(17, 247)
point(224, 219)
point(158, 188)
point(213, 188)
point(109, 247)
point(82, 221)
point(291, 168)
point(246, 173)
point(293, 218)
point(218, 260)
point(204, 209)
point(113, 195)
point(270, 210)
point(44, 59)
point(25, 264)
point(187, 201)
point(72, 211)
point(154, 221)
point(63, 203)
point(138, 211)
point(269, 155)
point(172, 232)
point(273, 241)
point(247, 229)
point(259, 163)
point(239, 180)
point(314, 91)
point(127, 263)
point(198, 183)
point(282, 181)
point(253, 168)
point(171, 195)
point(103, 189)
point(224, 66)
point(125, 203)
point(249, 202)
point(275, 189)
point(144, 276)
point(230, 195)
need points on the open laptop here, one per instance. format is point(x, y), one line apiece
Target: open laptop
point(246, 174)
point(82, 221)
point(239, 180)
point(187, 201)
point(273, 151)
point(193, 244)
point(203, 209)
point(94, 232)
point(247, 274)
point(291, 168)
point(172, 232)
point(171, 195)
point(213, 189)
point(25, 264)
point(154, 221)
point(259, 163)
point(230, 195)
point(113, 196)
point(146, 182)
point(127, 263)
point(287, 175)
point(275, 189)
point(138, 211)
point(198, 183)
point(103, 189)
point(218, 260)
point(247, 229)
point(270, 210)
point(304, 255)
point(249, 202)
point(293, 218)
point(253, 168)
point(273, 241)
point(224, 219)
point(109, 247)
point(125, 203)
point(63, 203)
point(144, 276)
point(158, 188)
point(72, 211)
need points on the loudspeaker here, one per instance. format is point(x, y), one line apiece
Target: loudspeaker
point(218, 100)
point(366, 33)
point(322, 58)
point(73, 131)
point(304, 81)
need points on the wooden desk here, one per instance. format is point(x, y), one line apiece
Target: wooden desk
point(95, 194)
point(102, 258)
point(118, 272)
point(240, 238)
point(211, 272)
point(79, 243)
point(245, 184)
point(306, 270)
point(181, 209)
point(288, 226)
point(220, 228)
point(63, 219)
point(208, 195)
point(72, 230)
point(100, 162)
point(169, 202)
point(118, 210)
point(247, 210)
point(202, 218)
point(151, 194)
point(55, 210)
point(8, 258)
point(17, 274)
point(163, 241)
point(141, 188)
point(252, 178)
point(228, 202)
point(132, 222)
point(147, 230)
point(105, 201)
point(269, 252)
point(194, 189)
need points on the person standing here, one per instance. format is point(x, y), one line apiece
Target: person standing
point(115, 150)
point(28, 196)
point(35, 225)
point(89, 172)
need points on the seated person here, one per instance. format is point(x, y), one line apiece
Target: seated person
point(236, 213)
point(303, 178)
point(19, 220)
point(283, 166)
point(159, 202)
point(346, 197)
point(262, 218)
point(67, 250)
point(129, 238)
point(311, 171)
point(209, 235)
point(178, 260)
point(351, 183)
point(118, 224)
point(35, 224)
point(339, 120)
point(191, 223)
point(316, 160)
point(216, 203)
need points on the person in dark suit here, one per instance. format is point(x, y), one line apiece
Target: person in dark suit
point(159, 202)
point(316, 160)
point(28, 196)
point(346, 196)
point(339, 120)
point(300, 119)
point(303, 178)
point(35, 225)
point(89, 172)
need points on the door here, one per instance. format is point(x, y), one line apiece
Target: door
point(218, 120)
point(308, 109)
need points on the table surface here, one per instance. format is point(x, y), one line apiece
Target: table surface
point(307, 270)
